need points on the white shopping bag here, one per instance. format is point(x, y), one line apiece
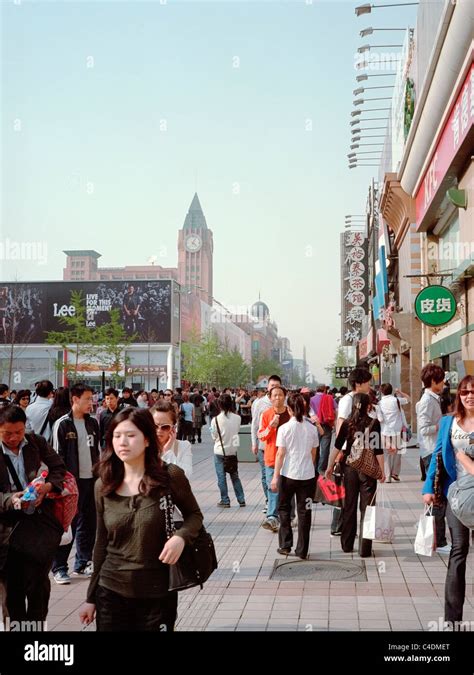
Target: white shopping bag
point(378, 521)
point(67, 537)
point(425, 542)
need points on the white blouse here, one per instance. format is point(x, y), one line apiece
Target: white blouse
point(182, 457)
point(461, 442)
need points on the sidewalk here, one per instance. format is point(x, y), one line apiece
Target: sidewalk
point(403, 591)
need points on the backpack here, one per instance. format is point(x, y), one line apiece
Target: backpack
point(327, 413)
point(65, 502)
point(461, 500)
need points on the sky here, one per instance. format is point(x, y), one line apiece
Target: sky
point(114, 113)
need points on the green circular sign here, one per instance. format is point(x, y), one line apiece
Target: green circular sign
point(435, 305)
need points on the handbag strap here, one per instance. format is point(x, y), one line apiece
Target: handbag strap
point(45, 424)
point(220, 437)
point(12, 472)
point(169, 511)
point(428, 510)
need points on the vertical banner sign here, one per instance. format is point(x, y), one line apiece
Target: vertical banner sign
point(355, 293)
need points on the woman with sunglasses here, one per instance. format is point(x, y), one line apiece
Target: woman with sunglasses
point(23, 398)
point(456, 443)
point(173, 451)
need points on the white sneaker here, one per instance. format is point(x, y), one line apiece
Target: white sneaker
point(444, 550)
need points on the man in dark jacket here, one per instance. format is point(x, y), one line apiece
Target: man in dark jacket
point(113, 408)
point(21, 459)
point(76, 439)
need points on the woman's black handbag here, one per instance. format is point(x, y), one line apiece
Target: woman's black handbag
point(197, 561)
point(231, 462)
point(37, 536)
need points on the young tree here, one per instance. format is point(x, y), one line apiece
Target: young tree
point(77, 338)
point(234, 371)
point(261, 366)
point(340, 359)
point(112, 339)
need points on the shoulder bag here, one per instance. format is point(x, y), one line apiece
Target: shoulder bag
point(363, 459)
point(197, 561)
point(230, 461)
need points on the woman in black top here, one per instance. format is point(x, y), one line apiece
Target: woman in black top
point(356, 482)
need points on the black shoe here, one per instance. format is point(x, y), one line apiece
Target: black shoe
point(224, 505)
point(284, 551)
point(242, 504)
point(336, 534)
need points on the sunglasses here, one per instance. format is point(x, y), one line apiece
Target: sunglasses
point(164, 427)
point(466, 392)
point(168, 394)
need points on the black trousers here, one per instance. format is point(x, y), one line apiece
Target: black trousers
point(455, 587)
point(116, 613)
point(304, 491)
point(439, 513)
point(28, 588)
point(356, 484)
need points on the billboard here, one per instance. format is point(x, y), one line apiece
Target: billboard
point(29, 310)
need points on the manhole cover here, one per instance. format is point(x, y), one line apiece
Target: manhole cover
point(318, 570)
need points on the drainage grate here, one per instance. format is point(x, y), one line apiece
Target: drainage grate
point(318, 570)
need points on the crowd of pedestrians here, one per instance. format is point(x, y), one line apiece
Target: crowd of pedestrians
point(127, 449)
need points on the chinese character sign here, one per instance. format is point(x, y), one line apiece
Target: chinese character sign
point(435, 305)
point(354, 286)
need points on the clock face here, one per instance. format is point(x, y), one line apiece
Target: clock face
point(193, 243)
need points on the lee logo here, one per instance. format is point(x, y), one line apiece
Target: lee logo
point(64, 310)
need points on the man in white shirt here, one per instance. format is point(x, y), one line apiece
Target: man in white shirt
point(428, 415)
point(392, 420)
point(258, 408)
point(37, 412)
point(359, 381)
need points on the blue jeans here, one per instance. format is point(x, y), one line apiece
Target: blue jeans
point(273, 497)
point(222, 482)
point(264, 478)
point(324, 446)
point(83, 530)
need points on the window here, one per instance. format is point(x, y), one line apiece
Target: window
point(450, 248)
point(83, 264)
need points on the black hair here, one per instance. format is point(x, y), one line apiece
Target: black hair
point(297, 405)
point(22, 393)
point(359, 418)
point(359, 376)
point(225, 403)
point(111, 469)
point(343, 391)
point(432, 372)
point(276, 378)
point(111, 392)
point(61, 404)
point(165, 407)
point(79, 389)
point(386, 389)
point(44, 388)
point(11, 414)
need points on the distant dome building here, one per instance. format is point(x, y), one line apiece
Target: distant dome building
point(259, 310)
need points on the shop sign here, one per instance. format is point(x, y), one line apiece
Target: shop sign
point(435, 305)
point(458, 125)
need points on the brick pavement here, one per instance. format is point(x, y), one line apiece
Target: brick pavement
point(403, 591)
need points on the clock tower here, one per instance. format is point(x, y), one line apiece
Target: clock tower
point(195, 248)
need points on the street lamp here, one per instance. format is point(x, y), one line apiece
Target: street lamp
point(360, 90)
point(364, 76)
point(367, 8)
point(368, 31)
point(359, 131)
point(361, 101)
point(359, 112)
point(367, 48)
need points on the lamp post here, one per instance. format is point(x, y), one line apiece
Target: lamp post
point(367, 8)
point(368, 31)
point(364, 76)
point(367, 48)
point(360, 90)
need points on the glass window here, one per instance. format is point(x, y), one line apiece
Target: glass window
point(450, 254)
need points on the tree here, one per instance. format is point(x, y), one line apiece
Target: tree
point(264, 367)
point(340, 359)
point(233, 371)
point(112, 339)
point(78, 338)
point(200, 358)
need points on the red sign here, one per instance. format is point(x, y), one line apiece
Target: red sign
point(458, 125)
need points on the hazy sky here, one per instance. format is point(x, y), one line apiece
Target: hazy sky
point(114, 113)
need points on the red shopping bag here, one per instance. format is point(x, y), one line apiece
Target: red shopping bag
point(330, 491)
